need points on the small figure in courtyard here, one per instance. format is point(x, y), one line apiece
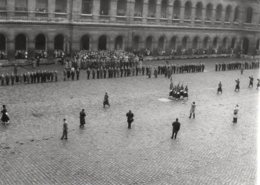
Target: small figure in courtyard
point(237, 88)
point(219, 88)
point(65, 130)
point(82, 116)
point(251, 81)
point(130, 118)
point(106, 101)
point(236, 109)
point(192, 110)
point(5, 118)
point(258, 84)
point(175, 128)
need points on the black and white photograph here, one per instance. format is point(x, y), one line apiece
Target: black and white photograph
point(129, 92)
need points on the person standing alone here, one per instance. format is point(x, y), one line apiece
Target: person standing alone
point(175, 128)
point(65, 130)
point(192, 110)
point(130, 118)
point(82, 116)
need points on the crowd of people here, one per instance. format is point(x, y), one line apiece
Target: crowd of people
point(178, 92)
point(29, 77)
point(237, 66)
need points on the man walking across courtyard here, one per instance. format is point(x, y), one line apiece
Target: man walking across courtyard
point(175, 128)
point(65, 130)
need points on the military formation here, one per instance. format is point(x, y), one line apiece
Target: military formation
point(29, 77)
point(237, 66)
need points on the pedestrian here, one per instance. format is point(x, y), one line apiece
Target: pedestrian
point(251, 81)
point(237, 87)
point(258, 84)
point(106, 101)
point(77, 73)
point(82, 116)
point(65, 130)
point(130, 118)
point(192, 110)
point(5, 117)
point(219, 88)
point(175, 128)
point(235, 113)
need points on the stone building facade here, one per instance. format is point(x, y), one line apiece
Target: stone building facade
point(72, 25)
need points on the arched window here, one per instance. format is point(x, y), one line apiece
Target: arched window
point(61, 6)
point(59, 42)
point(164, 9)
point(219, 12)
point(187, 11)
point(245, 45)
point(87, 6)
point(215, 43)
point(119, 43)
point(104, 7)
point(249, 15)
point(21, 5)
point(195, 43)
point(102, 42)
point(151, 8)
point(136, 42)
point(225, 43)
point(233, 43)
point(185, 42)
point(40, 42)
point(228, 13)
point(176, 9)
point(161, 43)
point(138, 8)
point(20, 42)
point(199, 11)
point(173, 43)
point(121, 7)
point(206, 43)
point(3, 4)
point(149, 43)
point(84, 43)
point(237, 14)
point(2, 42)
point(209, 11)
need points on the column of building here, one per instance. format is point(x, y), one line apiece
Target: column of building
point(170, 12)
point(158, 12)
point(113, 10)
point(145, 11)
point(31, 8)
point(96, 10)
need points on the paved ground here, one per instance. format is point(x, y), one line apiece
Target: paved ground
point(208, 150)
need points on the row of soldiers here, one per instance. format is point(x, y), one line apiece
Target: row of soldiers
point(115, 72)
point(168, 70)
point(29, 77)
point(178, 91)
point(236, 66)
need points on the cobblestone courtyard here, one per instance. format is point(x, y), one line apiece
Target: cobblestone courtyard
point(208, 150)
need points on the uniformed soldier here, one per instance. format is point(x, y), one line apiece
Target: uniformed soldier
point(77, 73)
point(88, 73)
point(237, 87)
point(7, 78)
point(130, 118)
point(106, 101)
point(219, 88)
point(251, 81)
point(12, 78)
point(65, 130)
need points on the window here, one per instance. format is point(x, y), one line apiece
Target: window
point(21, 5)
point(104, 7)
point(42, 6)
point(138, 8)
point(121, 7)
point(3, 4)
point(87, 6)
point(61, 6)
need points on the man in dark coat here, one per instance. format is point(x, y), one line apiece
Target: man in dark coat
point(175, 128)
point(65, 130)
point(130, 118)
point(106, 101)
point(82, 116)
